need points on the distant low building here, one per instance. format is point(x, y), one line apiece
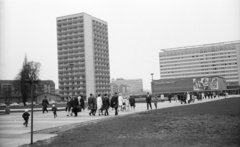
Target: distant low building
point(192, 84)
point(128, 86)
point(9, 90)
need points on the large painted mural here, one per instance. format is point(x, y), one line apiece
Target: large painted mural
point(205, 83)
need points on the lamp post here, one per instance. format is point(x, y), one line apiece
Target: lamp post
point(31, 82)
point(152, 82)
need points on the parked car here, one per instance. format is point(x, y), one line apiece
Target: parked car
point(14, 104)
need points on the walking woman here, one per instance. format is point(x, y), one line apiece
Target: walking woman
point(99, 104)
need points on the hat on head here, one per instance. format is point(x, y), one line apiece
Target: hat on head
point(53, 105)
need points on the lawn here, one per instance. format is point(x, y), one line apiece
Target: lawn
point(211, 124)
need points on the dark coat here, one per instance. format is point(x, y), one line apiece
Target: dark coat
point(148, 98)
point(82, 103)
point(45, 102)
point(106, 103)
point(54, 109)
point(75, 103)
point(132, 101)
point(92, 103)
point(25, 115)
point(114, 101)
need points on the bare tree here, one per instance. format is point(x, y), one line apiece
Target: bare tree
point(29, 72)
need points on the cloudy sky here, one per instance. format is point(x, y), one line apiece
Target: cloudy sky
point(138, 29)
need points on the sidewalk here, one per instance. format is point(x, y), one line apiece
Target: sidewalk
point(13, 133)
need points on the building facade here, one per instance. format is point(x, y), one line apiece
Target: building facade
point(192, 84)
point(10, 89)
point(132, 86)
point(218, 59)
point(83, 55)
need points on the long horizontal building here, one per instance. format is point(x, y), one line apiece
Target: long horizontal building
point(217, 59)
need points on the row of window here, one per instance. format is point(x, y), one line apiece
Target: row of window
point(70, 24)
point(197, 55)
point(197, 74)
point(197, 66)
point(198, 59)
point(199, 70)
point(99, 28)
point(197, 62)
point(70, 35)
point(71, 19)
point(71, 39)
point(199, 50)
point(98, 23)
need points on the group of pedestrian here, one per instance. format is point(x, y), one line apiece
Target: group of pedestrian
point(74, 105)
point(102, 103)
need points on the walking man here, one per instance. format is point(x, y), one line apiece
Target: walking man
point(45, 104)
point(91, 104)
point(149, 100)
point(114, 103)
point(106, 104)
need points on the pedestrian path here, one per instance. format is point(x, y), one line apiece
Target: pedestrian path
point(13, 133)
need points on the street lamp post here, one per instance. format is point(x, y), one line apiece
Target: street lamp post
point(31, 82)
point(152, 82)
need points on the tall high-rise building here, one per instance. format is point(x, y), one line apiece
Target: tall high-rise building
point(217, 59)
point(83, 55)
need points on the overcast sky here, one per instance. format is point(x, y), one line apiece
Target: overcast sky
point(138, 29)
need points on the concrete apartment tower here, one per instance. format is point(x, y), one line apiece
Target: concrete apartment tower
point(83, 55)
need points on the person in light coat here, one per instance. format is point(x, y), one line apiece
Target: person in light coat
point(120, 101)
point(99, 104)
point(188, 98)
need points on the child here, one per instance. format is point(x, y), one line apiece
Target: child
point(26, 117)
point(54, 109)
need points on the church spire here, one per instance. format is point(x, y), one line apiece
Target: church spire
point(25, 60)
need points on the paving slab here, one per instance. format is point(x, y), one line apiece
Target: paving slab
point(13, 133)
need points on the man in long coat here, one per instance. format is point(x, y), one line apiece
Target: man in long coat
point(149, 100)
point(74, 106)
point(92, 104)
point(114, 103)
point(45, 104)
point(106, 104)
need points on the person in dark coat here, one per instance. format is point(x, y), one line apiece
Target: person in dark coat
point(69, 106)
point(82, 103)
point(54, 109)
point(114, 103)
point(26, 117)
point(75, 104)
point(92, 104)
point(106, 104)
point(169, 98)
point(132, 102)
point(149, 100)
point(45, 104)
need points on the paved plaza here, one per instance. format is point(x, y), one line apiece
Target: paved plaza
point(13, 133)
